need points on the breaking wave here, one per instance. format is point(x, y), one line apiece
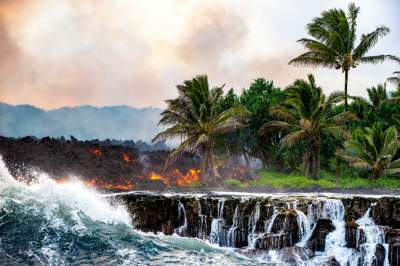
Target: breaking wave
point(69, 224)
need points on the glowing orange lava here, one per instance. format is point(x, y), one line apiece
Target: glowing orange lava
point(176, 177)
point(126, 157)
point(154, 176)
point(120, 184)
point(96, 152)
point(191, 177)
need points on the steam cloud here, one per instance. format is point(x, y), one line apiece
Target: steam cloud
point(57, 53)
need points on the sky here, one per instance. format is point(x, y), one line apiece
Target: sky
point(126, 52)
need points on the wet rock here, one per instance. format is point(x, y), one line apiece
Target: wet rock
point(286, 221)
point(387, 212)
point(331, 262)
point(323, 261)
point(356, 207)
point(237, 237)
point(295, 255)
point(379, 259)
point(269, 241)
point(318, 237)
point(355, 236)
point(393, 239)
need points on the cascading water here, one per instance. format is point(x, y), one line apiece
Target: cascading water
point(304, 228)
point(68, 224)
point(218, 233)
point(374, 236)
point(202, 223)
point(335, 243)
point(181, 214)
point(254, 217)
point(232, 232)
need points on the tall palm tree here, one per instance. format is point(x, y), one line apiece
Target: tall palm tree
point(373, 149)
point(305, 115)
point(333, 43)
point(194, 119)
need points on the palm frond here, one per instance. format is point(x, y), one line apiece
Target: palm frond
point(368, 41)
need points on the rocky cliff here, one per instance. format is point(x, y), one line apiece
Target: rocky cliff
point(354, 230)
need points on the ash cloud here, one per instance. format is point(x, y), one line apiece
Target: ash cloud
point(58, 53)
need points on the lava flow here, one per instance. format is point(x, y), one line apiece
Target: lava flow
point(96, 152)
point(176, 177)
point(120, 184)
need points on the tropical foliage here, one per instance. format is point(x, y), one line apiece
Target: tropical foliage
point(373, 149)
point(193, 118)
point(297, 128)
point(333, 43)
point(306, 115)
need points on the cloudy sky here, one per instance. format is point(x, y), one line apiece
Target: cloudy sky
point(102, 52)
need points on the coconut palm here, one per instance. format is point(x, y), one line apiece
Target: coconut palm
point(373, 149)
point(194, 119)
point(305, 115)
point(333, 43)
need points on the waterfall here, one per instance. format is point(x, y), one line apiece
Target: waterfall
point(254, 217)
point(272, 220)
point(304, 228)
point(181, 230)
point(232, 232)
point(218, 231)
point(335, 243)
point(202, 223)
point(374, 235)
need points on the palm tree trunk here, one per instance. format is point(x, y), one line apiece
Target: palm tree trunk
point(346, 78)
point(247, 160)
point(213, 171)
point(312, 159)
point(204, 168)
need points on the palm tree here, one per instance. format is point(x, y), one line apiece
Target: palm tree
point(333, 43)
point(395, 79)
point(306, 114)
point(373, 149)
point(378, 96)
point(193, 118)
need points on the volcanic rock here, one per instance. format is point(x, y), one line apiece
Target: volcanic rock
point(318, 237)
point(355, 236)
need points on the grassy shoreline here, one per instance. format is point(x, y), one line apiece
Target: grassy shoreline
point(327, 180)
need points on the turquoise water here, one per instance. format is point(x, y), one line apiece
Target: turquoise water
point(69, 224)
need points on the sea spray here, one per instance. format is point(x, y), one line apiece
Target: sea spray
point(69, 224)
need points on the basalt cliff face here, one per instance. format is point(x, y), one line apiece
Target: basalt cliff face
point(298, 230)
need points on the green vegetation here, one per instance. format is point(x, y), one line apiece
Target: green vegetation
point(334, 141)
point(306, 115)
point(373, 149)
point(327, 180)
point(334, 43)
point(194, 118)
point(395, 79)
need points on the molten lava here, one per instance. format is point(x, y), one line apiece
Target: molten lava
point(96, 152)
point(191, 177)
point(120, 184)
point(153, 176)
point(126, 157)
point(177, 178)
